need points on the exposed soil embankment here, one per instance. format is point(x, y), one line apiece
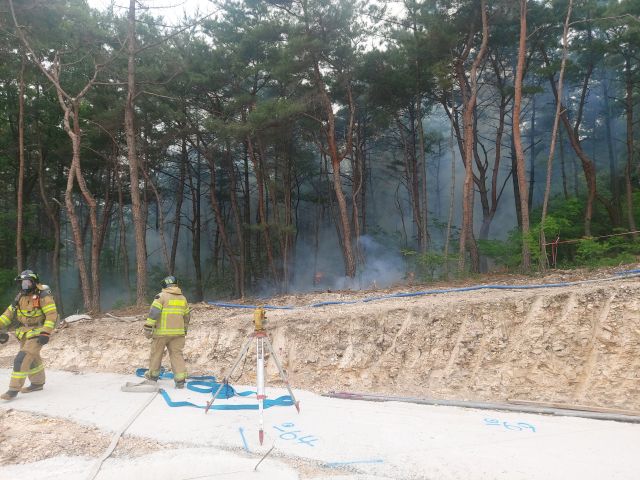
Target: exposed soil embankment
point(578, 344)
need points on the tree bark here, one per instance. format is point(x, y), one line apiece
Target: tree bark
point(451, 196)
point(54, 221)
point(235, 210)
point(264, 226)
point(522, 179)
point(21, 167)
point(123, 232)
point(532, 158)
point(466, 234)
point(139, 224)
point(630, 146)
point(564, 173)
point(423, 171)
point(226, 245)
point(178, 214)
point(405, 155)
point(613, 170)
point(195, 232)
point(544, 262)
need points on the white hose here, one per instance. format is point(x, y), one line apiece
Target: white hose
point(116, 437)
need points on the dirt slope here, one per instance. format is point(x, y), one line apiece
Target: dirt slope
point(572, 344)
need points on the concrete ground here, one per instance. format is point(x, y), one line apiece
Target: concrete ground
point(330, 438)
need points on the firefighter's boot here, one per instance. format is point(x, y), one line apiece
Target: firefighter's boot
point(180, 385)
point(10, 395)
point(150, 379)
point(149, 384)
point(34, 387)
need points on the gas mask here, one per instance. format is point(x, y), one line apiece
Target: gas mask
point(27, 287)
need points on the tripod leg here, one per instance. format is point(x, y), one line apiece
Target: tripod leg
point(282, 375)
point(260, 375)
point(226, 379)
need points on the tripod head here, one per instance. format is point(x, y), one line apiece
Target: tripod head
point(259, 319)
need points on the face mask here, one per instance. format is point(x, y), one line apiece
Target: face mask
point(27, 285)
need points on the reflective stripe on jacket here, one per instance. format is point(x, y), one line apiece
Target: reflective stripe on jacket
point(169, 314)
point(36, 313)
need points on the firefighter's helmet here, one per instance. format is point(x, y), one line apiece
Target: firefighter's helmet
point(169, 281)
point(29, 280)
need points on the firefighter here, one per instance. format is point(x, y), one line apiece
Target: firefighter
point(35, 310)
point(167, 326)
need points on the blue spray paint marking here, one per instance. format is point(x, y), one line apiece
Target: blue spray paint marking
point(291, 435)
point(246, 447)
point(351, 463)
point(519, 426)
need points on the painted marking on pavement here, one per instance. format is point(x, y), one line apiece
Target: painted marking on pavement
point(519, 426)
point(351, 463)
point(291, 435)
point(246, 447)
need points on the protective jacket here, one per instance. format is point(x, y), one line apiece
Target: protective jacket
point(169, 314)
point(35, 313)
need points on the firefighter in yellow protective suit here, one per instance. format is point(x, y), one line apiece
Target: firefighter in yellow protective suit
point(35, 310)
point(167, 326)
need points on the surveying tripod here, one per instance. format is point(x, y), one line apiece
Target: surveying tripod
point(260, 334)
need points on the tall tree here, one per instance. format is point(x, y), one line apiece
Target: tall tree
point(139, 225)
point(517, 99)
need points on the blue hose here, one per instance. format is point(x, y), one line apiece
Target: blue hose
point(430, 292)
point(207, 384)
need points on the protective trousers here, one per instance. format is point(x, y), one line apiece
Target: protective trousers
point(28, 363)
point(175, 345)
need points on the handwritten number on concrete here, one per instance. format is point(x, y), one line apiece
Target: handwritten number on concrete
point(518, 427)
point(526, 425)
point(291, 435)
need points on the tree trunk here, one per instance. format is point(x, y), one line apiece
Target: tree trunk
point(54, 221)
point(247, 220)
point(613, 169)
point(226, 245)
point(451, 196)
point(21, 168)
point(75, 226)
point(123, 232)
point(139, 224)
point(466, 234)
point(543, 248)
point(235, 210)
point(630, 146)
point(196, 230)
point(423, 172)
point(532, 159)
point(564, 173)
point(405, 155)
point(516, 182)
point(160, 219)
point(415, 184)
point(93, 206)
point(264, 226)
point(336, 160)
point(574, 138)
point(178, 214)
point(522, 179)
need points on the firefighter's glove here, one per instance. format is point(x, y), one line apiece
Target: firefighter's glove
point(4, 338)
point(43, 339)
point(148, 331)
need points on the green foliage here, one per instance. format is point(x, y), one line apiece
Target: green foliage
point(429, 263)
point(8, 288)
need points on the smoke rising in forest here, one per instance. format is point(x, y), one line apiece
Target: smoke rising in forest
point(268, 150)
